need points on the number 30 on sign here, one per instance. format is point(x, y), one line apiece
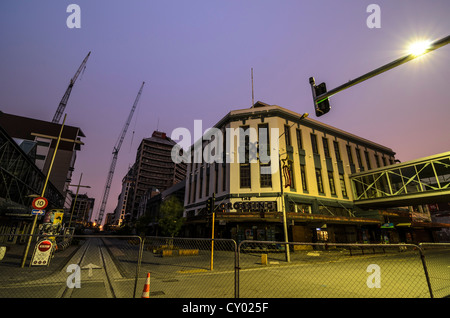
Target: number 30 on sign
point(40, 203)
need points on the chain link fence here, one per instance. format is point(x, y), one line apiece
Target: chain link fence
point(79, 266)
point(437, 259)
point(108, 266)
point(267, 269)
point(190, 268)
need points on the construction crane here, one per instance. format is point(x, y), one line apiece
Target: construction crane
point(115, 153)
point(63, 103)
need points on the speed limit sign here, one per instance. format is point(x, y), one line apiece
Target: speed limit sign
point(40, 203)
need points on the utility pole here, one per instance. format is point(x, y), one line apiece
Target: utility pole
point(76, 196)
point(43, 193)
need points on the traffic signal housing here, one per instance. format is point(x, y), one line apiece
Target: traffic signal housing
point(210, 204)
point(322, 107)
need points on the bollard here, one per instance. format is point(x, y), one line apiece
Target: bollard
point(264, 259)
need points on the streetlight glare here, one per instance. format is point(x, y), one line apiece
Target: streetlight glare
point(419, 48)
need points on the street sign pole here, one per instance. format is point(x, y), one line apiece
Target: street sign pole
point(43, 193)
point(76, 196)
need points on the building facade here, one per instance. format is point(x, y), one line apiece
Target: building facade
point(154, 168)
point(44, 135)
point(124, 200)
point(307, 176)
point(82, 209)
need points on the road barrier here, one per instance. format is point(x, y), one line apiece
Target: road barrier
point(117, 266)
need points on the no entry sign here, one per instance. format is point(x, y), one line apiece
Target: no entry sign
point(44, 246)
point(42, 253)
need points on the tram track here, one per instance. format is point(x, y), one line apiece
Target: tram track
point(95, 280)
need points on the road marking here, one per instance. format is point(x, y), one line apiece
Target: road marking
point(190, 271)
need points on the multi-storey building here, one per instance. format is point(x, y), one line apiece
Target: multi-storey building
point(313, 188)
point(82, 209)
point(155, 168)
point(124, 199)
point(44, 134)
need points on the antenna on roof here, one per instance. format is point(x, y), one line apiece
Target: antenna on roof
point(253, 96)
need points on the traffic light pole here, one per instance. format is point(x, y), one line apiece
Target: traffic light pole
point(322, 97)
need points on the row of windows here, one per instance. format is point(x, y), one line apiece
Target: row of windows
point(265, 179)
point(191, 189)
point(379, 161)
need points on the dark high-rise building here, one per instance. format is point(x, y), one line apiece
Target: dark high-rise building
point(154, 167)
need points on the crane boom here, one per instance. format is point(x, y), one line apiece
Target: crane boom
point(114, 158)
point(63, 103)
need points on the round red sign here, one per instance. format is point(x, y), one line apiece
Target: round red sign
point(44, 246)
point(39, 203)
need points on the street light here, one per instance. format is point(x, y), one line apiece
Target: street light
point(417, 49)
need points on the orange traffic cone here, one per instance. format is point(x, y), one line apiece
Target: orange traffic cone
point(146, 291)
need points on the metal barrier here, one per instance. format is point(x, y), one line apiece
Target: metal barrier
point(108, 266)
point(62, 267)
point(188, 267)
point(437, 259)
point(322, 270)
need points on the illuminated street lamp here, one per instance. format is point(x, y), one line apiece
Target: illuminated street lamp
point(320, 95)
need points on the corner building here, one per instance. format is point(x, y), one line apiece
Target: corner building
point(316, 194)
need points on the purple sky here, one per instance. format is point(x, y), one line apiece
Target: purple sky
point(196, 56)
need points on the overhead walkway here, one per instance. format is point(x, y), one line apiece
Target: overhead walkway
point(421, 181)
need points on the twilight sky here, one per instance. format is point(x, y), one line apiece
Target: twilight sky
point(196, 58)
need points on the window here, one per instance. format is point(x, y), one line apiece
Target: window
point(303, 176)
point(200, 190)
point(337, 152)
point(195, 189)
point(207, 181)
point(319, 180)
point(314, 144)
point(343, 187)
point(377, 161)
point(224, 177)
point(287, 135)
point(349, 154)
point(265, 175)
point(358, 157)
point(331, 181)
point(299, 139)
point(366, 154)
point(245, 177)
point(326, 150)
point(216, 175)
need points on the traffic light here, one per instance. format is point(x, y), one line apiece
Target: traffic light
point(210, 204)
point(322, 107)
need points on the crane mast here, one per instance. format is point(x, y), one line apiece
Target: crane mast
point(63, 103)
point(114, 158)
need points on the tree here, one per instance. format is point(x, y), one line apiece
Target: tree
point(171, 220)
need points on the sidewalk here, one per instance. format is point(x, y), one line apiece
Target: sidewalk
point(10, 266)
